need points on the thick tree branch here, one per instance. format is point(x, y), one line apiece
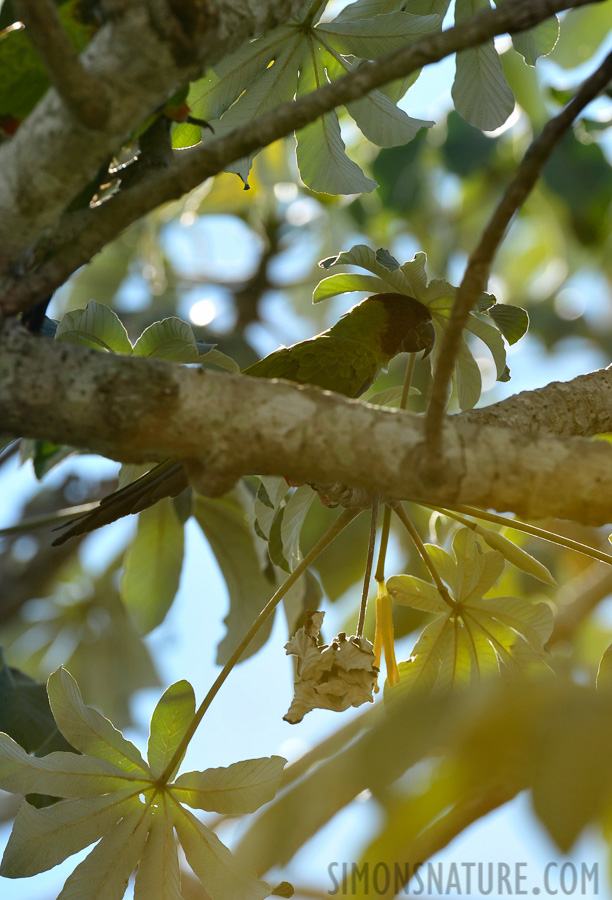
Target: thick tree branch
point(77, 238)
point(476, 275)
point(582, 406)
point(136, 410)
point(84, 94)
point(141, 55)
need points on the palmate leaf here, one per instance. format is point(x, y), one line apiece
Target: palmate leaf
point(438, 295)
point(474, 636)
point(127, 807)
point(298, 57)
point(98, 326)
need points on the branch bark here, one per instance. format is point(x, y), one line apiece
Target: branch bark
point(137, 410)
point(581, 406)
point(83, 235)
point(141, 55)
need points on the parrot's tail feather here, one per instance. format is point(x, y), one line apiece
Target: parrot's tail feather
point(168, 479)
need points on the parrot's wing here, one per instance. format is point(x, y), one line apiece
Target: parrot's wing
point(336, 364)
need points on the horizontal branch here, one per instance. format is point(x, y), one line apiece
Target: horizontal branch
point(582, 406)
point(138, 409)
point(82, 236)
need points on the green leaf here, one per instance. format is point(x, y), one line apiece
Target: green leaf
point(275, 84)
point(420, 672)
point(171, 719)
point(493, 340)
point(215, 357)
point(47, 455)
point(286, 527)
point(158, 872)
point(25, 713)
point(512, 321)
point(467, 378)
point(538, 41)
point(534, 621)
point(429, 7)
point(212, 95)
point(383, 123)
point(171, 339)
point(604, 671)
point(42, 838)
point(59, 774)
point(323, 164)
point(296, 510)
point(105, 873)
point(480, 91)
point(227, 530)
point(153, 566)
point(412, 591)
point(365, 9)
point(477, 572)
point(270, 494)
point(373, 36)
point(344, 283)
point(364, 257)
point(87, 729)
point(231, 790)
point(391, 396)
point(95, 326)
point(223, 877)
point(386, 259)
point(515, 554)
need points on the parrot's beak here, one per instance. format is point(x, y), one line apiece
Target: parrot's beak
point(428, 337)
point(423, 337)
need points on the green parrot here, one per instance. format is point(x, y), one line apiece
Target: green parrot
point(346, 359)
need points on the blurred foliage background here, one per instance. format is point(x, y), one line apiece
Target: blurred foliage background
point(241, 267)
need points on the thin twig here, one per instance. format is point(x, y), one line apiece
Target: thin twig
point(332, 532)
point(368, 569)
point(422, 549)
point(84, 94)
point(518, 525)
point(379, 575)
point(479, 264)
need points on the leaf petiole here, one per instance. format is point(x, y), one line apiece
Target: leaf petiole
point(339, 525)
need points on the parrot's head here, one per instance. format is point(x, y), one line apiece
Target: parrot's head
point(409, 327)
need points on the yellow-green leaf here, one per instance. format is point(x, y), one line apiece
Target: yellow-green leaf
point(223, 877)
point(42, 838)
point(515, 555)
point(153, 566)
point(232, 790)
point(412, 591)
point(169, 722)
point(87, 729)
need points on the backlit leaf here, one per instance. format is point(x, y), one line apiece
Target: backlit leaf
point(153, 566)
point(169, 722)
point(240, 788)
point(227, 529)
point(480, 91)
point(95, 326)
